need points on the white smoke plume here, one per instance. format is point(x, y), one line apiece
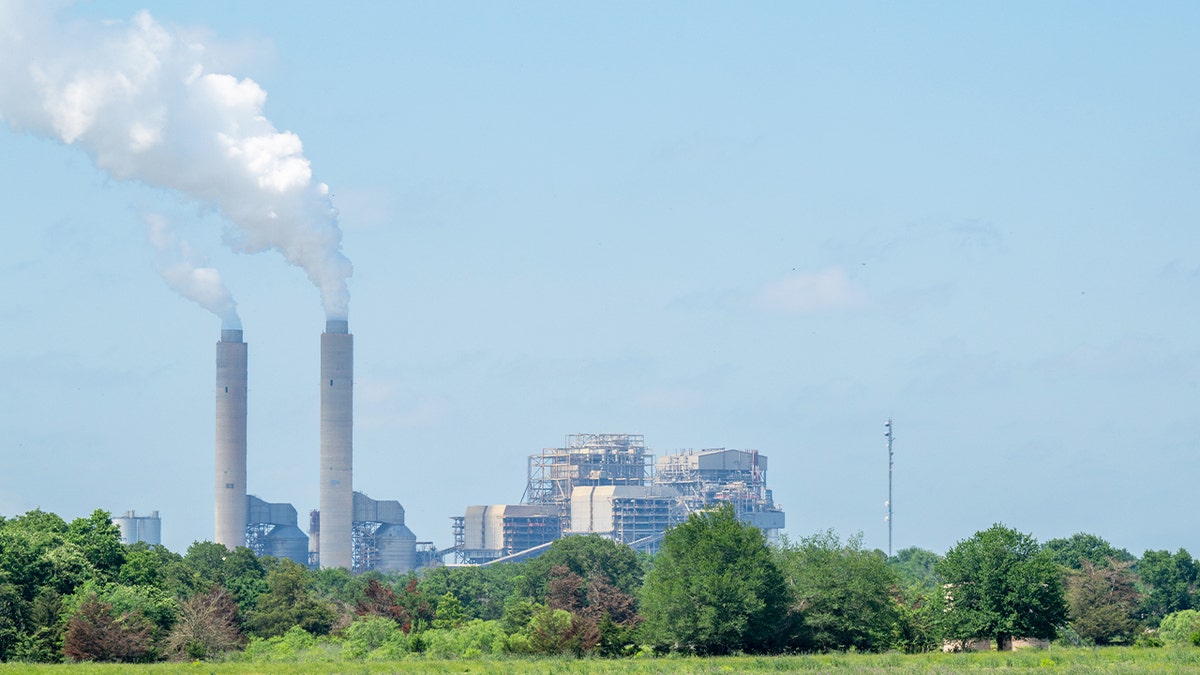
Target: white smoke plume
point(180, 267)
point(140, 99)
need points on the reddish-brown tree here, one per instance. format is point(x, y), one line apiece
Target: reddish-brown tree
point(94, 635)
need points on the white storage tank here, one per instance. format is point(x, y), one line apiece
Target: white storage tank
point(135, 528)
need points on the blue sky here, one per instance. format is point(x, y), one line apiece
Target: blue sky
point(764, 226)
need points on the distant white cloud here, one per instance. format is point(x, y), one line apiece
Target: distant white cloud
point(827, 289)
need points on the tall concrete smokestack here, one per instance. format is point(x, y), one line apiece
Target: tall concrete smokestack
point(231, 440)
point(337, 446)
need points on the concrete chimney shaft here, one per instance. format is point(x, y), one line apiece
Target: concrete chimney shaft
point(337, 446)
point(231, 441)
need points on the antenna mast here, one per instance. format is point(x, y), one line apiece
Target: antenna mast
point(888, 435)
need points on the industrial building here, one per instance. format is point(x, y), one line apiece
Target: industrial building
point(273, 530)
point(486, 533)
point(706, 478)
point(380, 540)
point(360, 533)
point(608, 485)
point(135, 528)
point(586, 460)
point(636, 515)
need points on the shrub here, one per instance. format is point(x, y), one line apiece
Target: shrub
point(1178, 627)
point(471, 640)
point(376, 638)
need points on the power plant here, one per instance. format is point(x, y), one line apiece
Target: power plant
point(603, 484)
point(609, 485)
point(360, 533)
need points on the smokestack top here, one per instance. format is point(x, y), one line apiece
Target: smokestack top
point(339, 326)
point(231, 335)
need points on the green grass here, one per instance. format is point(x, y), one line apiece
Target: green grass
point(1055, 660)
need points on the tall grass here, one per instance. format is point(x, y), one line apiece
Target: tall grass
point(1056, 660)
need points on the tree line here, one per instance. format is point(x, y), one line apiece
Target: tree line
point(72, 591)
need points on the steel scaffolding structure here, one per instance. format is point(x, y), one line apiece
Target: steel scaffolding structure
point(586, 460)
point(256, 537)
point(486, 533)
point(364, 549)
point(640, 517)
point(717, 475)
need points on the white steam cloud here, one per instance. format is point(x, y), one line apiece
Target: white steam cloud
point(179, 267)
point(140, 99)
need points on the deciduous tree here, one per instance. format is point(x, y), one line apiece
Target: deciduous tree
point(94, 635)
point(587, 556)
point(844, 595)
point(1072, 551)
point(916, 567)
point(208, 626)
point(289, 602)
point(715, 588)
point(1170, 580)
point(1000, 585)
point(1102, 600)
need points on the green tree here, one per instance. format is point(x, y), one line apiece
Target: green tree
point(843, 594)
point(337, 584)
point(449, 612)
point(288, 602)
point(239, 571)
point(1170, 581)
point(147, 565)
point(588, 556)
point(916, 567)
point(14, 617)
point(482, 590)
point(1000, 584)
point(99, 539)
point(43, 640)
point(1103, 599)
point(1072, 551)
point(715, 588)
point(25, 546)
point(917, 627)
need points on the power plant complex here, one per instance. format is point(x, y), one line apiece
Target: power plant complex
point(609, 485)
point(602, 484)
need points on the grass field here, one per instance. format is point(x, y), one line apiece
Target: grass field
point(1111, 660)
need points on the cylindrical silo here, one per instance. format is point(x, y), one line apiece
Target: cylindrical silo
point(337, 448)
point(397, 548)
point(231, 440)
point(287, 541)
